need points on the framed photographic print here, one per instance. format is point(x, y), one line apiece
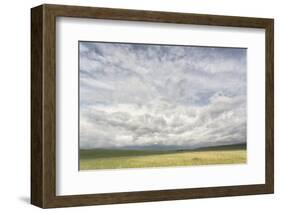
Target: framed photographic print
point(136, 106)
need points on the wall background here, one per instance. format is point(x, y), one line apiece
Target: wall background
point(15, 105)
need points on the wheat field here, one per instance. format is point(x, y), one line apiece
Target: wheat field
point(118, 159)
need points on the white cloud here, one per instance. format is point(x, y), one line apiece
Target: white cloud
point(134, 95)
point(162, 123)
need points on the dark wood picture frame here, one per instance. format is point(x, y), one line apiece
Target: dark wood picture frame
point(43, 105)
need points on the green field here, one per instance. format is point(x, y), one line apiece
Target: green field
point(116, 159)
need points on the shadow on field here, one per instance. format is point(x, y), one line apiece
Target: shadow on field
point(103, 153)
point(111, 153)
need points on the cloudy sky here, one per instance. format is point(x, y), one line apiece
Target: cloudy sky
point(152, 95)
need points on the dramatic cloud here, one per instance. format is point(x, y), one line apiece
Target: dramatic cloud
point(137, 95)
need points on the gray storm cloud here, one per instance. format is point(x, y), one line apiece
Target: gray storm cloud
point(136, 95)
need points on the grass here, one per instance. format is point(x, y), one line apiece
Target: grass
point(117, 159)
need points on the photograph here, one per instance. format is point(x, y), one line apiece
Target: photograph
point(170, 105)
point(158, 105)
